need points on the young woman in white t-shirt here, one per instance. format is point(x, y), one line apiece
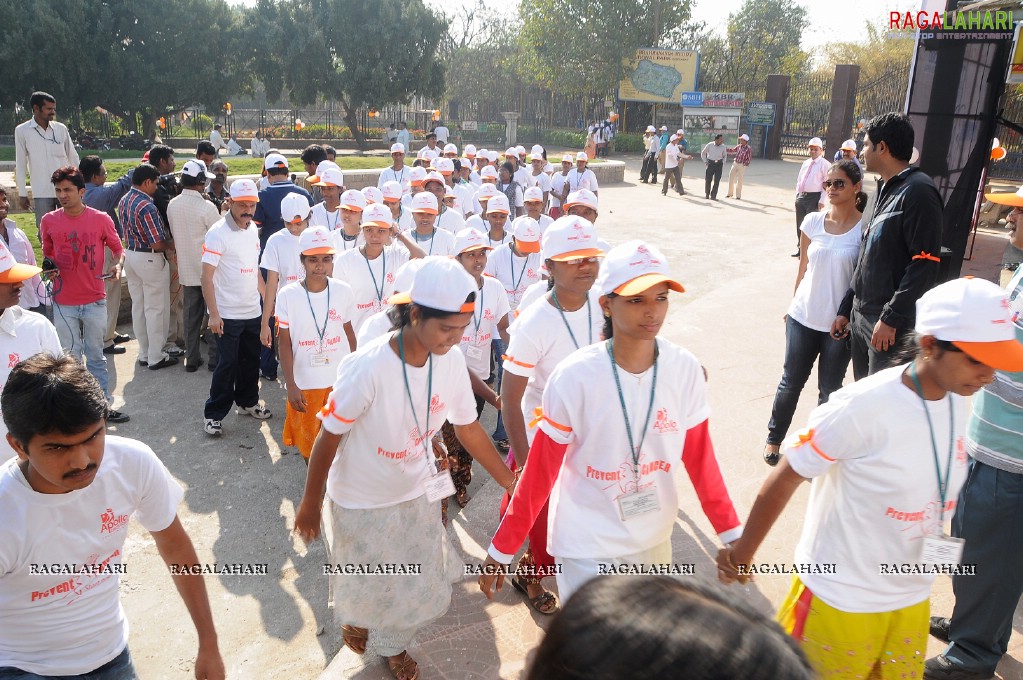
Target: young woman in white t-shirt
point(281, 258)
point(829, 246)
point(617, 417)
point(385, 479)
point(568, 318)
point(886, 478)
point(315, 333)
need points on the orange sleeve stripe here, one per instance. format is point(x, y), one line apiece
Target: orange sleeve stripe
point(212, 252)
point(328, 410)
point(807, 438)
point(926, 256)
point(517, 363)
point(557, 425)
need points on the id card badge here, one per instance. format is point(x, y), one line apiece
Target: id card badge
point(319, 359)
point(941, 549)
point(474, 353)
point(439, 486)
point(638, 503)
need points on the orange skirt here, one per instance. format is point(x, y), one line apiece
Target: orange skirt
point(300, 429)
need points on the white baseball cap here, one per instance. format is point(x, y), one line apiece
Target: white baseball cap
point(489, 172)
point(353, 199)
point(816, 141)
point(373, 195)
point(392, 191)
point(470, 239)
point(376, 215)
point(498, 204)
point(633, 267)
point(397, 147)
point(434, 177)
point(744, 136)
point(532, 194)
point(275, 160)
point(536, 149)
point(244, 190)
point(975, 316)
point(295, 208)
point(492, 156)
point(442, 284)
point(535, 157)
point(526, 231)
point(445, 166)
point(424, 202)
point(567, 158)
point(672, 138)
point(581, 156)
point(469, 151)
point(322, 168)
point(570, 237)
point(406, 274)
point(450, 148)
point(520, 150)
point(417, 175)
point(315, 240)
point(581, 197)
point(651, 128)
point(196, 169)
point(848, 145)
point(12, 271)
point(330, 177)
point(511, 152)
point(487, 192)
point(664, 128)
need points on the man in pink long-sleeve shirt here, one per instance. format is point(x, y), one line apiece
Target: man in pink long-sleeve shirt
point(810, 184)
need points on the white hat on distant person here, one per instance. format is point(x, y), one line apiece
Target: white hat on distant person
point(244, 190)
point(816, 141)
point(633, 267)
point(397, 147)
point(295, 208)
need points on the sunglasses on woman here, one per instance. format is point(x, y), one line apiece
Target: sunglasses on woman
point(837, 183)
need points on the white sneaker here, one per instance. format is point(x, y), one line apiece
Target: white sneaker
point(213, 427)
point(259, 412)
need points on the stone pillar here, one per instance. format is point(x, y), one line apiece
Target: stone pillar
point(510, 127)
point(843, 102)
point(777, 93)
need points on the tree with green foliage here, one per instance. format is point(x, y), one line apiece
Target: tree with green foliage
point(359, 53)
point(582, 46)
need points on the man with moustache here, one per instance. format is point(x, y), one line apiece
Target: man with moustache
point(67, 501)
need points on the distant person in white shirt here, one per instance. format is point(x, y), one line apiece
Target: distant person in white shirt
point(67, 503)
point(217, 139)
point(581, 177)
point(442, 132)
point(41, 145)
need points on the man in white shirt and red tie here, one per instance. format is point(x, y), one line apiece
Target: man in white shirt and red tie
point(810, 184)
point(743, 157)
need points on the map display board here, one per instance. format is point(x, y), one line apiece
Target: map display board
point(660, 75)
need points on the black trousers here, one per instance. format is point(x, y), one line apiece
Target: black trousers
point(806, 203)
point(714, 169)
point(649, 168)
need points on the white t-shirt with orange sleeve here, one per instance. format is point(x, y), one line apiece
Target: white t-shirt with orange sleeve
point(491, 307)
point(372, 281)
point(308, 315)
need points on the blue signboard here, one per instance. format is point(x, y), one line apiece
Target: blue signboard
point(692, 99)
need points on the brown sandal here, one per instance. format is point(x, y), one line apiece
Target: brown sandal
point(403, 667)
point(355, 638)
point(462, 498)
point(545, 603)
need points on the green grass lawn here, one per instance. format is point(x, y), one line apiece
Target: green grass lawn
point(27, 223)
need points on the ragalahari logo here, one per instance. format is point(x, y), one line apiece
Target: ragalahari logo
point(971, 20)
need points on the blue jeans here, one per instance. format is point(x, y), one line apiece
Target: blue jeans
point(81, 329)
point(236, 377)
point(802, 347)
point(118, 668)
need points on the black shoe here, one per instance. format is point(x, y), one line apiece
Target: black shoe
point(211, 367)
point(706, 195)
point(114, 349)
point(939, 627)
point(940, 668)
point(795, 254)
point(267, 377)
point(121, 338)
point(163, 363)
point(772, 457)
point(117, 417)
point(143, 362)
point(192, 368)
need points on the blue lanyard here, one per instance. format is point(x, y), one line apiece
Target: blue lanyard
point(383, 274)
point(522, 272)
point(326, 317)
point(423, 434)
point(589, 322)
point(415, 235)
point(476, 322)
point(942, 483)
point(625, 412)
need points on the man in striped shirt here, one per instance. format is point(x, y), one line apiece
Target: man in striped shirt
point(743, 156)
point(146, 267)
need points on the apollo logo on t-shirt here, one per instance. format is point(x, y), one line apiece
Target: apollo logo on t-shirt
point(960, 451)
point(664, 424)
point(436, 405)
point(390, 277)
point(110, 521)
point(488, 315)
point(13, 359)
point(333, 315)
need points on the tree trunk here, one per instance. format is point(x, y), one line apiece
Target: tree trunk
point(351, 118)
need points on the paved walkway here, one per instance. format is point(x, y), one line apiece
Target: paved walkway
point(732, 256)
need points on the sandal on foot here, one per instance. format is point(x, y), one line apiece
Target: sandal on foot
point(771, 457)
point(355, 638)
point(545, 603)
point(403, 667)
point(462, 497)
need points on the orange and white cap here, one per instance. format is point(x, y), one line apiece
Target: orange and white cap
point(487, 192)
point(570, 237)
point(633, 267)
point(322, 168)
point(489, 172)
point(377, 215)
point(451, 149)
point(397, 147)
point(12, 271)
point(535, 157)
point(581, 197)
point(275, 161)
point(416, 176)
point(244, 190)
point(424, 202)
point(492, 156)
point(532, 194)
point(567, 158)
point(848, 145)
point(353, 199)
point(470, 239)
point(445, 166)
point(315, 241)
point(442, 284)
point(405, 275)
point(295, 208)
point(330, 177)
point(975, 316)
point(537, 149)
point(427, 153)
point(526, 231)
point(510, 152)
point(469, 151)
point(520, 150)
point(498, 204)
point(433, 177)
point(373, 195)
point(581, 156)
point(392, 191)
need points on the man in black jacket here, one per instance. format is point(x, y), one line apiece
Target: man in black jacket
point(899, 254)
